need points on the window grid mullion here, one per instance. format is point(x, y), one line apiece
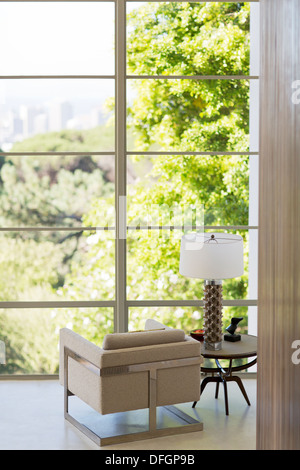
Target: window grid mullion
point(121, 310)
point(121, 153)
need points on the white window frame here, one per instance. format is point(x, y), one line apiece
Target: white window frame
point(121, 304)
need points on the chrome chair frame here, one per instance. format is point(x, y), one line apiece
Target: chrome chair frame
point(191, 424)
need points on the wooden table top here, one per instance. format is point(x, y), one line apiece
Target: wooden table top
point(247, 347)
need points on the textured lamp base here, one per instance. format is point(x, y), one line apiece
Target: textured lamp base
point(213, 346)
point(213, 315)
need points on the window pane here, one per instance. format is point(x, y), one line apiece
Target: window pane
point(214, 188)
point(188, 319)
point(153, 269)
point(57, 38)
point(188, 115)
point(185, 318)
point(57, 190)
point(205, 38)
point(31, 336)
point(57, 266)
point(56, 115)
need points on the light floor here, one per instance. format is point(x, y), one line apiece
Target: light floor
point(31, 418)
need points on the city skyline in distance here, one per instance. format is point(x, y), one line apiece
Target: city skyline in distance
point(22, 122)
point(83, 44)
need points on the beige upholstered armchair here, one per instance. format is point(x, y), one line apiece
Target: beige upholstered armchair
point(157, 367)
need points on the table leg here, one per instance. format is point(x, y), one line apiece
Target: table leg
point(240, 384)
point(217, 390)
point(224, 376)
point(204, 382)
point(217, 380)
point(225, 396)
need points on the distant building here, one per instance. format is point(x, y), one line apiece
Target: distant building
point(60, 112)
point(17, 126)
point(41, 123)
point(25, 121)
point(27, 115)
point(96, 117)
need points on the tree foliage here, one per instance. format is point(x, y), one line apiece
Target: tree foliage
point(45, 191)
point(186, 115)
point(190, 115)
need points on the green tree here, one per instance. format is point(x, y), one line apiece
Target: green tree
point(173, 115)
point(46, 191)
point(185, 115)
point(55, 190)
point(190, 115)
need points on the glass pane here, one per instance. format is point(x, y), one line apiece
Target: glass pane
point(153, 269)
point(56, 115)
point(57, 266)
point(214, 188)
point(57, 190)
point(188, 115)
point(57, 38)
point(181, 38)
point(31, 336)
point(185, 318)
point(188, 319)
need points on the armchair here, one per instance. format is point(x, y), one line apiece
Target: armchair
point(156, 367)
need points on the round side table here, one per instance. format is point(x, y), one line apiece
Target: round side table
point(245, 348)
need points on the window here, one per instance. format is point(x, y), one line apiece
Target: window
point(134, 122)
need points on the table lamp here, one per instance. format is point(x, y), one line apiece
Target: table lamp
point(212, 257)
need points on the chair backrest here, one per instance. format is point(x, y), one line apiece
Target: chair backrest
point(142, 338)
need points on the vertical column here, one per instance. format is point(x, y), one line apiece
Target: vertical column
point(121, 311)
point(253, 163)
point(278, 384)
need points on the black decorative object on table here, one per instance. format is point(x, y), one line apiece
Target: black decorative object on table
point(231, 330)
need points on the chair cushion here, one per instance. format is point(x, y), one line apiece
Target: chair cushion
point(141, 338)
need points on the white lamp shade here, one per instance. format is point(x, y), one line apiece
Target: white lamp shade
point(217, 258)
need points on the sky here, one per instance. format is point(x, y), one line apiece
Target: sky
point(56, 38)
point(53, 38)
